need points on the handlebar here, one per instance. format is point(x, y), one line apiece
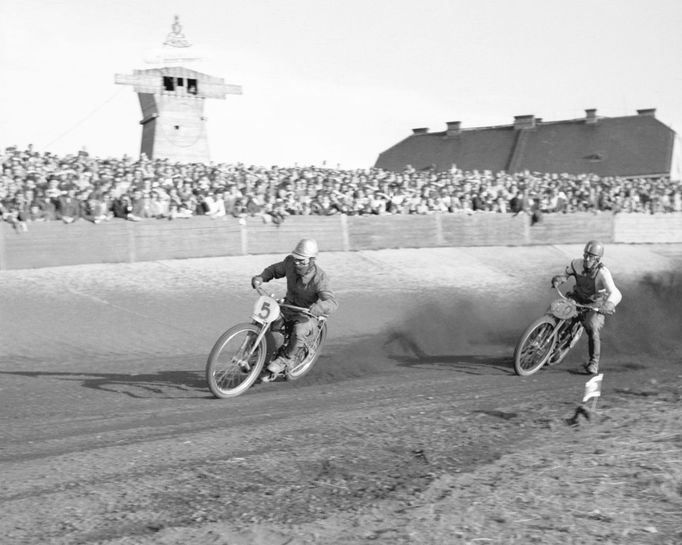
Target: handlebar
point(281, 303)
point(579, 305)
point(302, 310)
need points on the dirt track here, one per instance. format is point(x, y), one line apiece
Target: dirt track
point(412, 427)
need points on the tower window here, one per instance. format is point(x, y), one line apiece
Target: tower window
point(168, 83)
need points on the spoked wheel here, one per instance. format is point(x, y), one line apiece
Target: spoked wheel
point(310, 355)
point(566, 340)
point(535, 346)
point(234, 364)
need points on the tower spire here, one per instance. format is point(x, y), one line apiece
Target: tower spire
point(175, 37)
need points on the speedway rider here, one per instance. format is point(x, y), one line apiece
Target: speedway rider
point(308, 287)
point(594, 286)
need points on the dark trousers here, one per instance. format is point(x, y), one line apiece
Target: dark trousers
point(593, 323)
point(301, 327)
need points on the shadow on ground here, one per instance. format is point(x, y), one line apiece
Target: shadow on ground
point(161, 384)
point(414, 356)
point(468, 363)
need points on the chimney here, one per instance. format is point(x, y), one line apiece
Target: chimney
point(524, 121)
point(651, 112)
point(420, 130)
point(453, 128)
point(591, 116)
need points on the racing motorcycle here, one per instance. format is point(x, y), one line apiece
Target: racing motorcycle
point(551, 337)
point(241, 354)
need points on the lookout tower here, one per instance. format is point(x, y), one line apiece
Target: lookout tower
point(172, 101)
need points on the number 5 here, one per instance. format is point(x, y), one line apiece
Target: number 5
point(264, 310)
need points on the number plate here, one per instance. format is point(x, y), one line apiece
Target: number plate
point(266, 310)
point(563, 309)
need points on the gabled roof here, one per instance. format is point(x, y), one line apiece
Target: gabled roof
point(634, 145)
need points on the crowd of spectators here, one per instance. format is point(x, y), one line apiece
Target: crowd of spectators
point(41, 186)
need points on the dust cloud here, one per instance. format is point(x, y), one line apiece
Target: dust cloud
point(647, 323)
point(458, 326)
point(464, 324)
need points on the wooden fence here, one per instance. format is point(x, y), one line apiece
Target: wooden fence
point(56, 244)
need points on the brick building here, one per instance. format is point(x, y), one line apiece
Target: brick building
point(636, 145)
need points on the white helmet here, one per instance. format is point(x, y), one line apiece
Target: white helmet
point(306, 248)
point(594, 248)
point(592, 254)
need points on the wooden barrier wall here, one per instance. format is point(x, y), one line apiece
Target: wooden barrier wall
point(56, 244)
point(648, 228)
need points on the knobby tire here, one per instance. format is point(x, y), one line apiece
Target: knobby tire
point(311, 356)
point(563, 346)
point(224, 376)
point(535, 346)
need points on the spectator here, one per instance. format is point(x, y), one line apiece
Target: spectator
point(158, 205)
point(95, 210)
point(179, 211)
point(215, 205)
point(68, 207)
point(125, 188)
point(138, 208)
point(43, 208)
point(122, 207)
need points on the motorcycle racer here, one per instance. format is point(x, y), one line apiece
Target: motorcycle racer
point(594, 286)
point(307, 286)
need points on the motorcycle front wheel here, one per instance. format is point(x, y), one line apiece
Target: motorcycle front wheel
point(234, 364)
point(566, 339)
point(535, 346)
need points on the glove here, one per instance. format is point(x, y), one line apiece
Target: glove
point(607, 308)
point(256, 281)
point(557, 281)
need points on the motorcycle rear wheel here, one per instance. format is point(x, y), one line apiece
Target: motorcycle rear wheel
point(535, 346)
point(228, 373)
point(311, 355)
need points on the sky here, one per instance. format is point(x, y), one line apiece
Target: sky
point(334, 82)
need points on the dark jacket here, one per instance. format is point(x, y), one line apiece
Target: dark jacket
point(312, 290)
point(69, 207)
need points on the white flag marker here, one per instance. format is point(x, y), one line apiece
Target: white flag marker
point(593, 389)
